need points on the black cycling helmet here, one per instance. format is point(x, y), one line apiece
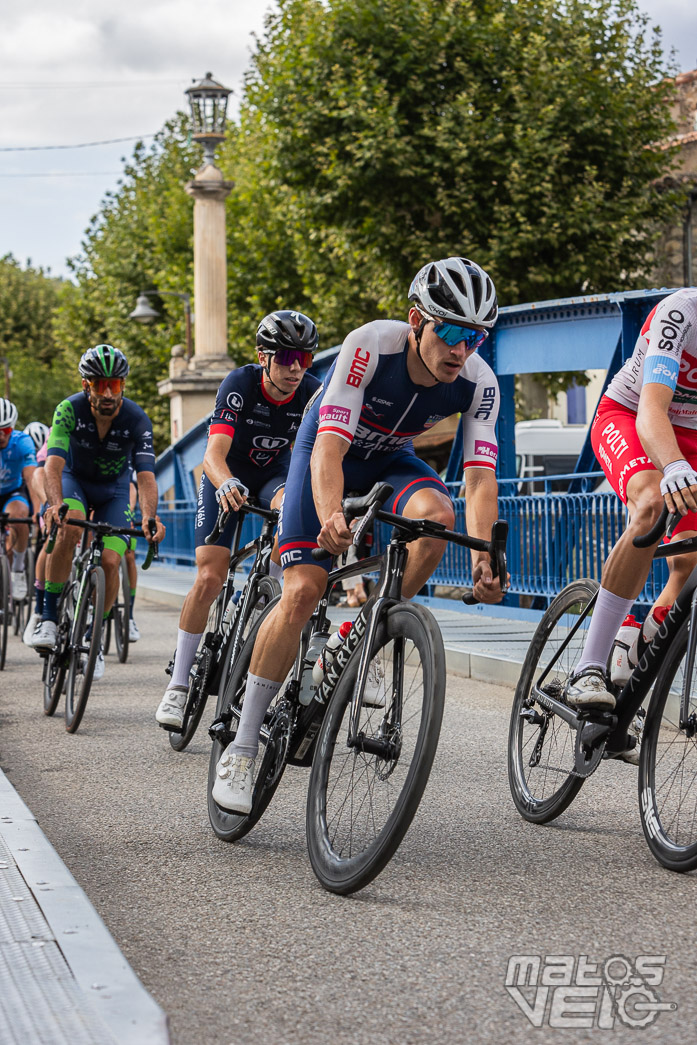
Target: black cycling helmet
point(287, 329)
point(103, 361)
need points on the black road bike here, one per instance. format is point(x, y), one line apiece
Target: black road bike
point(370, 760)
point(553, 748)
point(70, 664)
point(231, 617)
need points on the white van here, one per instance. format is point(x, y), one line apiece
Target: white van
point(547, 447)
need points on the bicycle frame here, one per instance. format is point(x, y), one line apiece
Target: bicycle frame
point(611, 728)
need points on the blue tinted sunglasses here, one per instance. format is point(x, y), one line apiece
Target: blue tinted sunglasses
point(453, 335)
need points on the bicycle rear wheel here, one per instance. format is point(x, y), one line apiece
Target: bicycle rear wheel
point(668, 764)
point(540, 744)
point(270, 761)
point(265, 590)
point(360, 804)
point(83, 653)
point(5, 610)
point(121, 613)
point(106, 632)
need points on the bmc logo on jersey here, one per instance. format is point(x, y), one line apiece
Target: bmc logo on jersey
point(235, 401)
point(268, 442)
point(359, 365)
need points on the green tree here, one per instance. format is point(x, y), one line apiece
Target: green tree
point(375, 135)
point(523, 133)
point(28, 299)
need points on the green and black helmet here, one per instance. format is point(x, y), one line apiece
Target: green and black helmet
point(103, 361)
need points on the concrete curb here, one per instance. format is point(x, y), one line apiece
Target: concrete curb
point(107, 983)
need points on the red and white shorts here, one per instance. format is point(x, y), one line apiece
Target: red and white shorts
point(620, 453)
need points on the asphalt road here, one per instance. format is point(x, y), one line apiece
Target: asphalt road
point(240, 944)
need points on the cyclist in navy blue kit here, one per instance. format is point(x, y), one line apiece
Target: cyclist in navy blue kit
point(258, 410)
point(390, 382)
point(95, 437)
point(17, 465)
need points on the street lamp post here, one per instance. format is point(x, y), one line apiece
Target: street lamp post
point(145, 313)
point(192, 388)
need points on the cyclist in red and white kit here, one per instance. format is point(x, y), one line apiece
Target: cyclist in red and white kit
point(390, 382)
point(645, 437)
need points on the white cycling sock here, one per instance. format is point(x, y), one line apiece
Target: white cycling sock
point(258, 695)
point(275, 571)
point(187, 645)
point(18, 561)
point(608, 614)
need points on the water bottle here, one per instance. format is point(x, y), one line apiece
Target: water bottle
point(308, 686)
point(623, 658)
point(327, 655)
point(653, 622)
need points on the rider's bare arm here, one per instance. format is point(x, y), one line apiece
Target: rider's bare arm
point(481, 512)
point(216, 467)
point(147, 495)
point(328, 490)
point(654, 427)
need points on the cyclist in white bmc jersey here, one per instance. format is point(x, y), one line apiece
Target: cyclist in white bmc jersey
point(390, 382)
point(645, 437)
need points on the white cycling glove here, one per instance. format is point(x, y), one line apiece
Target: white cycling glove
point(677, 476)
point(230, 484)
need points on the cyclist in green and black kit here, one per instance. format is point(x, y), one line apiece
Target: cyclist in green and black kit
point(95, 436)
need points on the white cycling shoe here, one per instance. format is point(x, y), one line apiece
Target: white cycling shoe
point(171, 709)
point(133, 632)
point(19, 585)
point(44, 636)
point(588, 689)
point(234, 783)
point(30, 628)
point(374, 693)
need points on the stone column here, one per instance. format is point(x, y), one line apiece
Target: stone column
point(192, 386)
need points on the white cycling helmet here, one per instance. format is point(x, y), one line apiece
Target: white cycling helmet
point(8, 414)
point(38, 432)
point(455, 290)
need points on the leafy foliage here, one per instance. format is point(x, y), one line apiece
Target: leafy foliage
point(373, 136)
point(28, 299)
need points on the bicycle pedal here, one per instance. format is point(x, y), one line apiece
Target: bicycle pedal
point(171, 729)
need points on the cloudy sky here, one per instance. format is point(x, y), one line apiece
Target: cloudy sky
point(90, 70)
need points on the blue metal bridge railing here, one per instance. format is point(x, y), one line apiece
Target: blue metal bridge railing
point(554, 537)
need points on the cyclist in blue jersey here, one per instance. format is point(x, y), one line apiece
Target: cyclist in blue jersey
point(94, 436)
point(390, 382)
point(258, 410)
point(17, 465)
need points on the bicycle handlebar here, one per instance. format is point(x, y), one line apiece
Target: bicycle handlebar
point(665, 524)
point(105, 529)
point(270, 514)
point(370, 507)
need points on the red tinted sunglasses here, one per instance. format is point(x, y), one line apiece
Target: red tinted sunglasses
point(6, 431)
point(288, 356)
point(102, 385)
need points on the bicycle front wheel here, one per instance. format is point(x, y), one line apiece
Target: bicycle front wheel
point(229, 827)
point(83, 652)
point(541, 746)
point(361, 800)
point(4, 605)
point(668, 764)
